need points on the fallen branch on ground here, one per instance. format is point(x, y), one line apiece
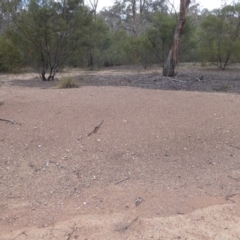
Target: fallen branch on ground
point(176, 80)
point(236, 179)
point(96, 128)
point(122, 180)
point(230, 195)
point(9, 120)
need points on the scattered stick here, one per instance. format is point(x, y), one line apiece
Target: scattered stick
point(121, 180)
point(74, 228)
point(176, 80)
point(180, 213)
point(127, 226)
point(233, 146)
point(236, 179)
point(231, 195)
point(9, 120)
point(96, 128)
point(197, 79)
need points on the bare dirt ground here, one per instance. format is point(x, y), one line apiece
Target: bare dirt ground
point(114, 160)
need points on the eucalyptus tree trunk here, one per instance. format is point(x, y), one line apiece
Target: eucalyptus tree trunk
point(171, 62)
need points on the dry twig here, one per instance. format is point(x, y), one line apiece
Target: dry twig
point(121, 180)
point(231, 195)
point(176, 80)
point(96, 128)
point(236, 179)
point(9, 120)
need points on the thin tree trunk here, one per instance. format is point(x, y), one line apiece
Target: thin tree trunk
point(171, 62)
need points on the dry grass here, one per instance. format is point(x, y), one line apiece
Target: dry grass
point(67, 82)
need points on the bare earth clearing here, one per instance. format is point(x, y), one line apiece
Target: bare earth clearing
point(162, 164)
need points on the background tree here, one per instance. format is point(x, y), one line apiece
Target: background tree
point(171, 62)
point(98, 42)
point(120, 51)
point(11, 59)
point(134, 18)
point(50, 31)
point(94, 6)
point(219, 36)
point(160, 35)
point(52, 34)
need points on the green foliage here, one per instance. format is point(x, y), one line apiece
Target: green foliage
point(50, 31)
point(67, 82)
point(146, 56)
point(219, 36)
point(188, 51)
point(120, 51)
point(160, 35)
point(10, 55)
point(50, 34)
point(94, 47)
point(99, 42)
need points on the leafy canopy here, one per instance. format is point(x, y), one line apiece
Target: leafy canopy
point(50, 31)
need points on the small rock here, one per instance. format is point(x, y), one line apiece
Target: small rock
point(138, 201)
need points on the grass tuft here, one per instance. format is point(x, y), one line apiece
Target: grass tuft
point(67, 82)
